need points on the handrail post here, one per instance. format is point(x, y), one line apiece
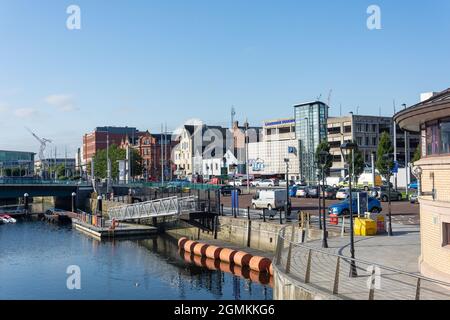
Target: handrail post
point(278, 250)
point(372, 285)
point(289, 256)
point(308, 267)
point(336, 276)
point(418, 289)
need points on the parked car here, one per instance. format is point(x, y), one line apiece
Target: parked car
point(226, 190)
point(269, 199)
point(293, 191)
point(255, 182)
point(330, 192)
point(245, 182)
point(413, 198)
point(313, 192)
point(343, 208)
point(342, 193)
point(413, 185)
point(268, 183)
point(302, 192)
point(383, 194)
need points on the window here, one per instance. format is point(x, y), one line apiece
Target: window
point(367, 141)
point(446, 235)
point(335, 144)
point(444, 128)
point(347, 129)
point(334, 130)
point(432, 139)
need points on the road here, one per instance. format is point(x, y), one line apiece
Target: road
point(403, 212)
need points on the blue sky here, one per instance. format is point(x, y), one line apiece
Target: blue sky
point(141, 63)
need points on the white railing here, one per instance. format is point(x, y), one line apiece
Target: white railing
point(156, 208)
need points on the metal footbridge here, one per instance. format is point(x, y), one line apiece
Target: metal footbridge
point(173, 206)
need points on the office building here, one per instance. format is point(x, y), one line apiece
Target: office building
point(16, 163)
point(311, 129)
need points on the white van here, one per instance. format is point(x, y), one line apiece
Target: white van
point(269, 199)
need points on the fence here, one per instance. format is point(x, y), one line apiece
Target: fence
point(329, 273)
point(90, 219)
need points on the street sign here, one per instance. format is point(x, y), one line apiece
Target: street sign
point(363, 203)
point(395, 168)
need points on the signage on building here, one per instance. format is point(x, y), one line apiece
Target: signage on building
point(292, 150)
point(279, 122)
point(257, 165)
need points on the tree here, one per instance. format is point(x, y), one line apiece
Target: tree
point(417, 154)
point(115, 154)
point(358, 160)
point(385, 164)
point(325, 146)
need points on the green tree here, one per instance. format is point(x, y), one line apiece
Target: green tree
point(115, 154)
point(417, 154)
point(325, 146)
point(358, 160)
point(383, 164)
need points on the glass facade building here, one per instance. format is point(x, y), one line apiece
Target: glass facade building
point(311, 129)
point(16, 163)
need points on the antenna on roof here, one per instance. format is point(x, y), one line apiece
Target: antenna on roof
point(319, 97)
point(233, 113)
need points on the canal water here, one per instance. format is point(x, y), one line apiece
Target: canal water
point(34, 257)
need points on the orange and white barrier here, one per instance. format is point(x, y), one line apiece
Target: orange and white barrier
point(225, 255)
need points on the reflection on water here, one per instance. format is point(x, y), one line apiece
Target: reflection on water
point(34, 257)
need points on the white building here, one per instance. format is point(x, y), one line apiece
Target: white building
point(267, 158)
point(212, 166)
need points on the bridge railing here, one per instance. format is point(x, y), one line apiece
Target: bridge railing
point(161, 207)
point(23, 181)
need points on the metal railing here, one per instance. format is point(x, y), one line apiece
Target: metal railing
point(161, 207)
point(19, 181)
point(329, 273)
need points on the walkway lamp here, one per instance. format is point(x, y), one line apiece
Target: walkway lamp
point(318, 194)
point(288, 204)
point(347, 149)
point(25, 202)
point(389, 157)
point(73, 202)
point(323, 159)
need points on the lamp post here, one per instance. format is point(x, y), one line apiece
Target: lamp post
point(347, 148)
point(74, 209)
point(318, 195)
point(288, 205)
point(308, 154)
point(323, 157)
point(388, 157)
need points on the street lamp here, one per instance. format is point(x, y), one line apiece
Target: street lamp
point(347, 148)
point(323, 157)
point(318, 194)
point(288, 206)
point(389, 157)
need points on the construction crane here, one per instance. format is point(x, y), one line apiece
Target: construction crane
point(43, 142)
point(329, 97)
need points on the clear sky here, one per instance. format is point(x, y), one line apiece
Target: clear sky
point(144, 62)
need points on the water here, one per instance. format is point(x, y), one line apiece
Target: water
point(34, 257)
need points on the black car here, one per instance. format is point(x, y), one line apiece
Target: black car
point(226, 190)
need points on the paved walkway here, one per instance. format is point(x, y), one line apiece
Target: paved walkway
point(400, 251)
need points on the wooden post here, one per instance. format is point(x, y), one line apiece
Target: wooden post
point(249, 231)
point(372, 285)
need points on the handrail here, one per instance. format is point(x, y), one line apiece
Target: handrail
point(314, 249)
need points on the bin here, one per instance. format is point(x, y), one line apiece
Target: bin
point(365, 227)
point(334, 219)
point(380, 220)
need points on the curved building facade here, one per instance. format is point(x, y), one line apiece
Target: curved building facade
point(431, 118)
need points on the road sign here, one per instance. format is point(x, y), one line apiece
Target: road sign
point(363, 203)
point(395, 168)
